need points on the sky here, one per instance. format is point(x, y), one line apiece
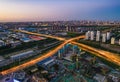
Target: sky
point(53, 10)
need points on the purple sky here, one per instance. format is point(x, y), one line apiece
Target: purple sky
point(49, 10)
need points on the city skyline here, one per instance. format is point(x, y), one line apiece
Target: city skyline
point(53, 10)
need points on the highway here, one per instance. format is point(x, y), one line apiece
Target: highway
point(101, 53)
point(37, 34)
point(34, 61)
point(112, 57)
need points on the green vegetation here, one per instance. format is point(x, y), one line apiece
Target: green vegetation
point(97, 45)
point(73, 34)
point(7, 49)
point(116, 35)
point(17, 62)
point(109, 63)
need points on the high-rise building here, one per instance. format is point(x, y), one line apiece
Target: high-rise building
point(92, 35)
point(108, 35)
point(104, 37)
point(119, 41)
point(87, 35)
point(67, 28)
point(112, 40)
point(98, 36)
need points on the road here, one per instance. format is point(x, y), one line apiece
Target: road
point(112, 57)
point(100, 53)
point(49, 36)
point(34, 61)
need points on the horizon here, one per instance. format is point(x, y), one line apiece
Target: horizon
point(59, 21)
point(59, 10)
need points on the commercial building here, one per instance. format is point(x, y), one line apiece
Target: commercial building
point(104, 37)
point(98, 36)
point(112, 40)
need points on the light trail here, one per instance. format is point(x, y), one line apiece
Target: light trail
point(37, 34)
point(34, 61)
point(115, 58)
point(101, 53)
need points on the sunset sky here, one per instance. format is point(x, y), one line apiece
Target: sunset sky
point(52, 10)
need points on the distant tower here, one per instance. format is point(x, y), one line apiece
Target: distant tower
point(67, 28)
point(103, 37)
point(35, 24)
point(112, 40)
point(98, 36)
point(92, 35)
point(108, 35)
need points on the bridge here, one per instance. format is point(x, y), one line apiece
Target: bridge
point(101, 53)
point(37, 34)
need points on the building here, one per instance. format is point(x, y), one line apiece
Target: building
point(112, 40)
point(98, 36)
point(22, 55)
point(114, 76)
point(104, 37)
point(100, 78)
point(2, 43)
point(15, 43)
point(25, 39)
point(87, 35)
point(19, 76)
point(52, 66)
point(108, 35)
point(36, 38)
point(67, 28)
point(119, 42)
point(92, 35)
point(7, 78)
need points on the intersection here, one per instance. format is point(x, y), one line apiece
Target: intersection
point(101, 53)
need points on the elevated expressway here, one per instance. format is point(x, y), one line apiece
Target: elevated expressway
point(115, 58)
point(37, 34)
point(101, 53)
point(112, 57)
point(34, 61)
